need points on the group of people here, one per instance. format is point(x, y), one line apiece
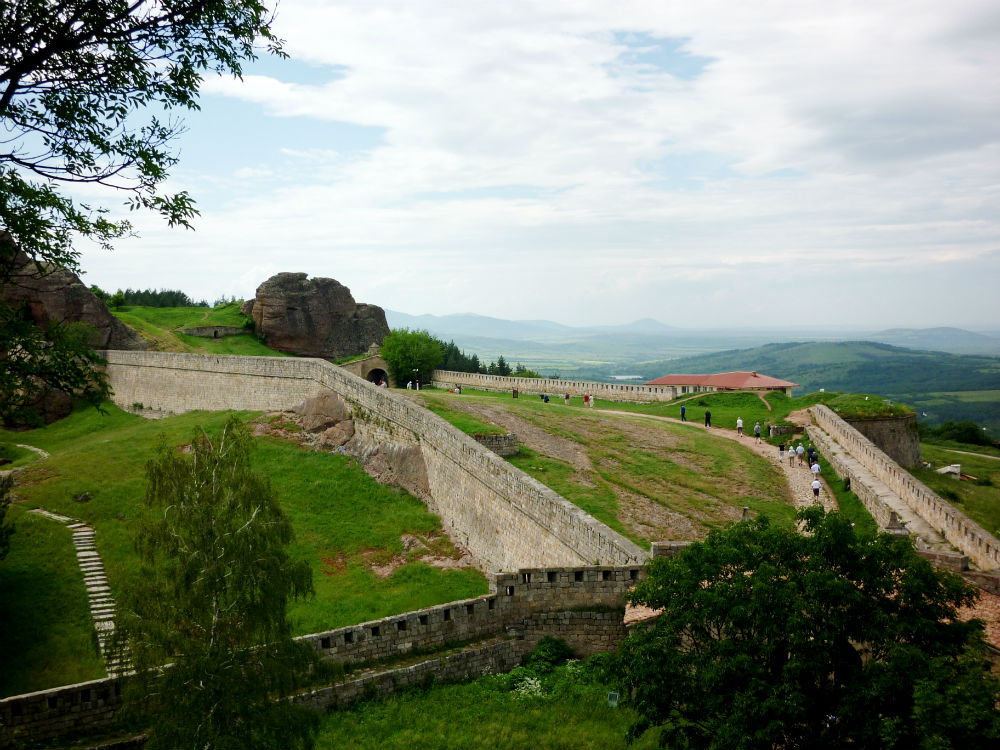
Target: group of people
point(588, 400)
point(806, 457)
point(739, 428)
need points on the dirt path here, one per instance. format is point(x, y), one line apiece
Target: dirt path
point(965, 453)
point(799, 478)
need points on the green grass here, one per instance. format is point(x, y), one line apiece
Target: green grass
point(16, 455)
point(689, 472)
point(48, 638)
point(159, 326)
point(980, 500)
point(465, 422)
point(571, 714)
point(186, 317)
point(344, 521)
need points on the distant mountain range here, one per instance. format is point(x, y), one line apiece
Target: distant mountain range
point(650, 339)
point(946, 373)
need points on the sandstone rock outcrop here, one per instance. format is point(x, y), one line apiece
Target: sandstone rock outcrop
point(58, 296)
point(315, 317)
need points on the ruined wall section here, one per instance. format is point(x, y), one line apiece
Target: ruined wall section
point(960, 530)
point(896, 436)
point(504, 517)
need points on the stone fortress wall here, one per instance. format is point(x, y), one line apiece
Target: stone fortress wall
point(582, 605)
point(982, 548)
point(896, 436)
point(504, 517)
point(536, 386)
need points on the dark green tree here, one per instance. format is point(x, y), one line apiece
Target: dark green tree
point(6, 529)
point(502, 367)
point(88, 92)
point(210, 600)
point(406, 351)
point(769, 638)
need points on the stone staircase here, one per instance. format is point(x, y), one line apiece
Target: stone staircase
point(102, 605)
point(888, 509)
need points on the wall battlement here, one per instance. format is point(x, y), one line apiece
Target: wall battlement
point(536, 386)
point(582, 605)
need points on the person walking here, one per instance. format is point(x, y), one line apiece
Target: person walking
point(684, 413)
point(567, 399)
point(800, 451)
point(781, 452)
point(592, 400)
point(708, 418)
point(816, 485)
point(739, 426)
point(791, 454)
point(756, 432)
point(816, 469)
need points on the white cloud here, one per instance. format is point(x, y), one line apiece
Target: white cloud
point(528, 166)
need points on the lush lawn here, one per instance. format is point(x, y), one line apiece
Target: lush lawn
point(570, 713)
point(344, 521)
point(979, 498)
point(48, 638)
point(159, 326)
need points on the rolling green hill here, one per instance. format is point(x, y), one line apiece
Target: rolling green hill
point(939, 386)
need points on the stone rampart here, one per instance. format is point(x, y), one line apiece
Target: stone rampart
point(536, 386)
point(961, 531)
point(503, 445)
point(582, 605)
point(896, 436)
point(504, 517)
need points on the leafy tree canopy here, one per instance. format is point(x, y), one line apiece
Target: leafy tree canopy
point(773, 639)
point(405, 351)
point(210, 599)
point(88, 89)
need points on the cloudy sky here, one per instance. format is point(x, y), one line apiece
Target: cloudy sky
point(705, 164)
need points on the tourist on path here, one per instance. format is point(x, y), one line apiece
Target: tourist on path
point(791, 455)
point(800, 451)
point(781, 452)
point(592, 400)
point(816, 469)
point(739, 426)
point(684, 413)
point(567, 399)
point(816, 486)
point(708, 418)
point(756, 432)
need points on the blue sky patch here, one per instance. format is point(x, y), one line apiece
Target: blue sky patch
point(664, 54)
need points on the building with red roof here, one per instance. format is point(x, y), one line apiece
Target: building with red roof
point(725, 381)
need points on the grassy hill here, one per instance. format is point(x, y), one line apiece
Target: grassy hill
point(939, 386)
point(160, 327)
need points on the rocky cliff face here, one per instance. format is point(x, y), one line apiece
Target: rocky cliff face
point(58, 296)
point(314, 317)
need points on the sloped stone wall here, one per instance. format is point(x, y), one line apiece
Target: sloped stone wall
point(504, 517)
point(961, 531)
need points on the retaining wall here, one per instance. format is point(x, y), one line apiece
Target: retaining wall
point(535, 386)
point(507, 519)
point(582, 605)
point(502, 445)
point(961, 531)
point(214, 332)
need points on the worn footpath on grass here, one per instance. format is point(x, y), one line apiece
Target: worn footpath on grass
point(648, 482)
point(798, 475)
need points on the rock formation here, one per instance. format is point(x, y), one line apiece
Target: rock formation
point(314, 317)
point(58, 296)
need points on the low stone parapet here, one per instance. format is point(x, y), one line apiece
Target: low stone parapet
point(503, 445)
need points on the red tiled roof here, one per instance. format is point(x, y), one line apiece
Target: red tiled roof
point(732, 380)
